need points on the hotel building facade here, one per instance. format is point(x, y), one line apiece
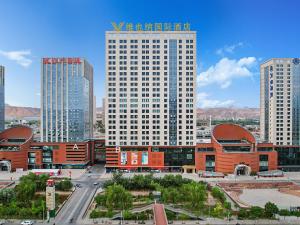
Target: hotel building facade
point(280, 101)
point(66, 100)
point(150, 88)
point(2, 98)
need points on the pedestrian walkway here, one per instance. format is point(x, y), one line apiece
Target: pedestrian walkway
point(159, 213)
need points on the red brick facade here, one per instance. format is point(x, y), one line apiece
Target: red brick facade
point(224, 136)
point(230, 145)
point(43, 154)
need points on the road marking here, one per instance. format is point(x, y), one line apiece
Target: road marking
point(77, 205)
point(68, 205)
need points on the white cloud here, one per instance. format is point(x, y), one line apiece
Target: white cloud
point(20, 57)
point(225, 71)
point(229, 49)
point(204, 102)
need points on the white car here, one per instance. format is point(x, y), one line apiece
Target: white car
point(27, 222)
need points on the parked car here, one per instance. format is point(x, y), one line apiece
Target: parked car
point(2, 222)
point(96, 183)
point(27, 222)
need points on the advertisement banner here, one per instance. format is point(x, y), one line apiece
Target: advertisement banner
point(134, 158)
point(123, 158)
point(145, 158)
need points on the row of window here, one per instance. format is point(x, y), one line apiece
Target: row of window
point(156, 41)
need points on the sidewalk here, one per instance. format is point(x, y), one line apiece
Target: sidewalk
point(15, 176)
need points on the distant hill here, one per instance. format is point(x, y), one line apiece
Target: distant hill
point(228, 113)
point(17, 112)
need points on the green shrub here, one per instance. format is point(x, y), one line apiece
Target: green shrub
point(270, 209)
point(218, 194)
point(256, 212)
point(170, 215)
point(243, 214)
point(64, 185)
point(183, 217)
point(284, 212)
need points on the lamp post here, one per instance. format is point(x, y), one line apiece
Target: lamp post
point(43, 210)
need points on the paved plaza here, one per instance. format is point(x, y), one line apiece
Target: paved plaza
point(259, 197)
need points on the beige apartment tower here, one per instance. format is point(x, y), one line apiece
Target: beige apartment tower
point(280, 101)
point(150, 88)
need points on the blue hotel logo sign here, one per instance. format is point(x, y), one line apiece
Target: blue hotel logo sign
point(151, 26)
point(296, 61)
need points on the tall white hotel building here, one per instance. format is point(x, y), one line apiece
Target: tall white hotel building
point(150, 88)
point(280, 101)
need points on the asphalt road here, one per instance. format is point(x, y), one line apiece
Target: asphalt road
point(74, 209)
point(77, 204)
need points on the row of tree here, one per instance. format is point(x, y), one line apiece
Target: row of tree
point(23, 201)
point(193, 195)
point(115, 198)
point(147, 182)
point(256, 212)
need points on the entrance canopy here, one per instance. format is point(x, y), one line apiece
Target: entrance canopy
point(242, 169)
point(5, 165)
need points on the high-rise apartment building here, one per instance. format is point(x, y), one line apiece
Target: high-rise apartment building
point(150, 87)
point(280, 101)
point(2, 98)
point(66, 100)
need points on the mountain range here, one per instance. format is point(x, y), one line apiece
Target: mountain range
point(17, 112)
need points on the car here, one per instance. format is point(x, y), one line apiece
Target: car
point(90, 171)
point(2, 222)
point(96, 183)
point(27, 222)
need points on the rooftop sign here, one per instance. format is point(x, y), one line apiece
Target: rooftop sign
point(151, 26)
point(61, 60)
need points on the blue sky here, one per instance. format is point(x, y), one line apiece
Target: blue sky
point(233, 38)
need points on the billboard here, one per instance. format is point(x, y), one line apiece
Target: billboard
point(145, 158)
point(134, 158)
point(123, 158)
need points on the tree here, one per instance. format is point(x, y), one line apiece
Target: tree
point(194, 194)
point(6, 196)
point(117, 197)
point(39, 180)
point(25, 192)
point(218, 194)
point(218, 210)
point(271, 209)
point(256, 212)
point(64, 185)
point(171, 195)
point(101, 199)
point(100, 126)
point(243, 214)
point(284, 212)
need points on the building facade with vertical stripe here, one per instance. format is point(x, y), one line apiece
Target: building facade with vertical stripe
point(280, 101)
point(66, 100)
point(2, 98)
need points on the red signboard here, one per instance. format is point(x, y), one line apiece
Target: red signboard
point(61, 60)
